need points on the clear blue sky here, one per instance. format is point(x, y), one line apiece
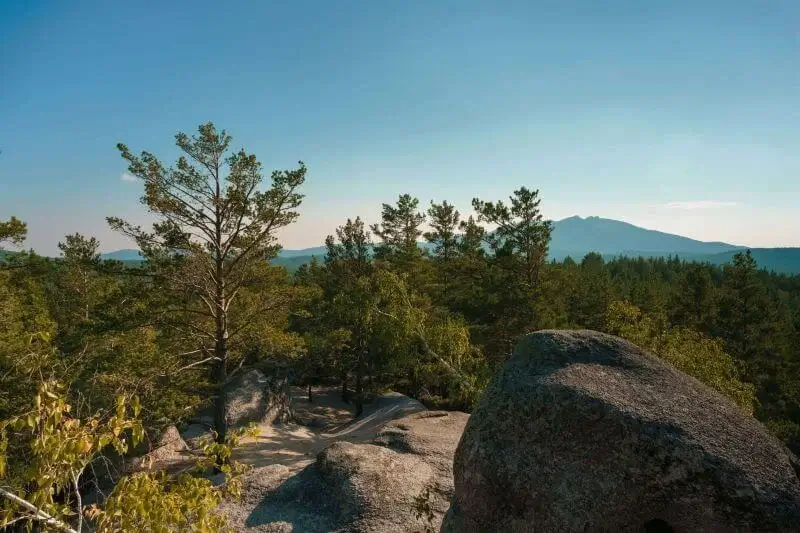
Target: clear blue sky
point(683, 117)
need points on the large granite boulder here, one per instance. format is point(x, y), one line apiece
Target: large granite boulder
point(371, 487)
point(582, 431)
point(253, 397)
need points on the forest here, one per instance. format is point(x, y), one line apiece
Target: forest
point(98, 355)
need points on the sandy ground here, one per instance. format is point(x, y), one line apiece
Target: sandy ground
point(295, 445)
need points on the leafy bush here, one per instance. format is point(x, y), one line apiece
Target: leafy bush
point(687, 350)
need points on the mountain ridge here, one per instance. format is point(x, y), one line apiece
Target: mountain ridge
point(125, 254)
point(577, 236)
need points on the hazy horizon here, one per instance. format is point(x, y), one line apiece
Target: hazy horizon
point(130, 245)
point(682, 118)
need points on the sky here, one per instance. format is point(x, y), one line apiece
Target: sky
point(678, 116)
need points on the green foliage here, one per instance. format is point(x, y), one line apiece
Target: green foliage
point(688, 350)
point(593, 292)
point(433, 324)
point(436, 326)
point(427, 340)
point(521, 232)
point(695, 298)
point(747, 318)
point(208, 250)
point(500, 291)
point(12, 231)
point(158, 503)
point(26, 330)
point(80, 287)
point(218, 455)
point(137, 362)
point(52, 448)
point(399, 230)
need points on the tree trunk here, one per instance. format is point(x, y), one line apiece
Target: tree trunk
point(345, 396)
point(360, 388)
point(220, 377)
point(220, 320)
point(412, 382)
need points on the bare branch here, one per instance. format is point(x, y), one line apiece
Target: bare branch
point(192, 365)
point(236, 370)
point(38, 514)
point(425, 346)
point(78, 500)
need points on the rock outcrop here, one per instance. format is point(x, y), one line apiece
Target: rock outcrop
point(370, 488)
point(582, 431)
point(164, 452)
point(196, 435)
point(253, 397)
point(433, 435)
point(168, 449)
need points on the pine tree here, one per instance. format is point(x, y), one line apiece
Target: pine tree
point(78, 278)
point(593, 293)
point(215, 230)
point(521, 230)
point(746, 318)
point(399, 230)
point(13, 231)
point(444, 222)
point(695, 299)
point(350, 301)
point(520, 243)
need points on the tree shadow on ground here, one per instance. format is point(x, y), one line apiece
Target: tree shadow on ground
point(303, 501)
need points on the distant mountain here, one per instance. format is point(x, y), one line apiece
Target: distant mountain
point(576, 236)
point(124, 255)
point(319, 251)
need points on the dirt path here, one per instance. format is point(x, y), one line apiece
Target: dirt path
point(324, 421)
point(280, 454)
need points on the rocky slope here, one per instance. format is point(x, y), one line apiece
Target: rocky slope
point(367, 475)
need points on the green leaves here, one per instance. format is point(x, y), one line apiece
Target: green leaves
point(158, 503)
point(59, 447)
